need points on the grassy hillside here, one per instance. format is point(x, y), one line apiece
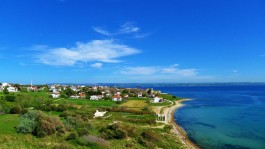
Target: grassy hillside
point(130, 124)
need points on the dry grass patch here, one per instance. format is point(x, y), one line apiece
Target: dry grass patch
point(135, 104)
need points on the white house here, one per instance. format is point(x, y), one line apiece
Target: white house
point(117, 98)
point(157, 100)
point(140, 95)
point(94, 97)
point(12, 89)
point(99, 114)
point(55, 95)
point(74, 97)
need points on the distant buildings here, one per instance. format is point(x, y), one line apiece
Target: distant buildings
point(116, 98)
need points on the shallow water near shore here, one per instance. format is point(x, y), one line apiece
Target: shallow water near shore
point(222, 116)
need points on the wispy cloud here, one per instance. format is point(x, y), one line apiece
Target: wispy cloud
point(96, 65)
point(163, 74)
point(139, 70)
point(102, 31)
point(158, 70)
point(107, 51)
point(129, 28)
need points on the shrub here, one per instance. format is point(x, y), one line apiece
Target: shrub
point(27, 122)
point(167, 128)
point(41, 134)
point(26, 125)
point(10, 98)
point(120, 134)
point(65, 114)
point(45, 124)
point(77, 122)
point(82, 131)
point(63, 145)
point(38, 124)
point(24, 111)
point(16, 110)
point(90, 140)
point(150, 136)
point(72, 136)
point(114, 131)
point(49, 125)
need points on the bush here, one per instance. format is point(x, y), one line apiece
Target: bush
point(77, 122)
point(150, 136)
point(16, 110)
point(90, 140)
point(10, 98)
point(82, 131)
point(27, 122)
point(167, 128)
point(24, 111)
point(45, 124)
point(41, 134)
point(114, 131)
point(72, 136)
point(63, 145)
point(66, 114)
point(120, 134)
point(38, 124)
point(49, 125)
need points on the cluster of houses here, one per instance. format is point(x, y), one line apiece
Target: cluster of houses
point(9, 87)
point(116, 94)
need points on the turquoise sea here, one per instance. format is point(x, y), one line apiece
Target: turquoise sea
point(222, 117)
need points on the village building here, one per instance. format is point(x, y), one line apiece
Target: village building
point(82, 95)
point(55, 95)
point(74, 97)
point(94, 97)
point(140, 95)
point(157, 100)
point(116, 98)
point(12, 89)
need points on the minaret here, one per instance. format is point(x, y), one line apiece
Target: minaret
point(31, 84)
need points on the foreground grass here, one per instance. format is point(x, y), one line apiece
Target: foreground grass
point(92, 103)
point(8, 122)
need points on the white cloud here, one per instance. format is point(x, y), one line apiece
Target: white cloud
point(101, 31)
point(139, 71)
point(97, 50)
point(97, 65)
point(128, 28)
point(162, 71)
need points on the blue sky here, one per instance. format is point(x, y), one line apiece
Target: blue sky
point(92, 41)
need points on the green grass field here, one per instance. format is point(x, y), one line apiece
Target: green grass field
point(8, 122)
point(166, 103)
point(93, 103)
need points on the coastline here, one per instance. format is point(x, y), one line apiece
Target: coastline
point(176, 129)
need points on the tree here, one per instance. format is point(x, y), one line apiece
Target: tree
point(16, 110)
point(69, 92)
point(6, 90)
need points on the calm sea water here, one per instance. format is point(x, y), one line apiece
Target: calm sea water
point(222, 117)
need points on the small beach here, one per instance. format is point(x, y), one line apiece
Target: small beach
point(176, 129)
